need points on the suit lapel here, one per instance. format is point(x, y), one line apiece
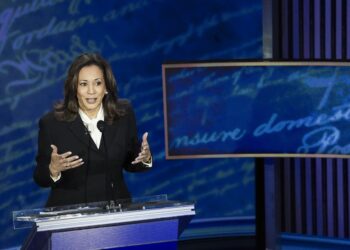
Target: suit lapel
point(78, 129)
point(111, 131)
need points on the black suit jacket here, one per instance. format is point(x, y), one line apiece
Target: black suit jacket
point(99, 178)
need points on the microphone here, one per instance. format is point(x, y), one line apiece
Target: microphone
point(101, 125)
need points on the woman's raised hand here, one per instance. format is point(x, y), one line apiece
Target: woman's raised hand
point(63, 162)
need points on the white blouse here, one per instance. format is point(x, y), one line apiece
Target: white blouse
point(91, 125)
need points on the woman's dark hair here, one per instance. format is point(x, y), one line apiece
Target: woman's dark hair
point(67, 110)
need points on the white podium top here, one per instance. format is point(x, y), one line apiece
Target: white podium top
point(102, 213)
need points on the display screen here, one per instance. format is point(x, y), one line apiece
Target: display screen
point(257, 109)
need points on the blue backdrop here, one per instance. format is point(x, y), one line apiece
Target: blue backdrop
point(38, 41)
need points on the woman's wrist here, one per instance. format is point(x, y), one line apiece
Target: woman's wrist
point(149, 160)
point(54, 173)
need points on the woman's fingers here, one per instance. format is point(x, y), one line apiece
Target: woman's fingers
point(71, 162)
point(66, 154)
point(54, 149)
point(145, 153)
point(137, 160)
point(65, 161)
point(144, 137)
point(74, 163)
point(142, 157)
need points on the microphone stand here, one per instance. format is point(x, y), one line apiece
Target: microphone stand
point(87, 132)
point(109, 182)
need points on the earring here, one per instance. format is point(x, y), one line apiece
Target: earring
point(106, 92)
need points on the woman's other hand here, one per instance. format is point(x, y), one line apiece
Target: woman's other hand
point(145, 155)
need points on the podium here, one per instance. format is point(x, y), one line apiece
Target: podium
point(141, 223)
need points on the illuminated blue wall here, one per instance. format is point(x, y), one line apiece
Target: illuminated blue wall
point(38, 41)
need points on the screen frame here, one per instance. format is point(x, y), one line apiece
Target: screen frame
point(240, 63)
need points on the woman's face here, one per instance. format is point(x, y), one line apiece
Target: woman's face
point(91, 89)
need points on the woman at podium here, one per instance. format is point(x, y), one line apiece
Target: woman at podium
point(89, 138)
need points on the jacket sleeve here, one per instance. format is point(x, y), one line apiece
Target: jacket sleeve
point(133, 144)
point(41, 173)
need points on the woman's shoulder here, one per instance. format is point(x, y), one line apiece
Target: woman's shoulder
point(124, 107)
point(49, 118)
point(124, 104)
